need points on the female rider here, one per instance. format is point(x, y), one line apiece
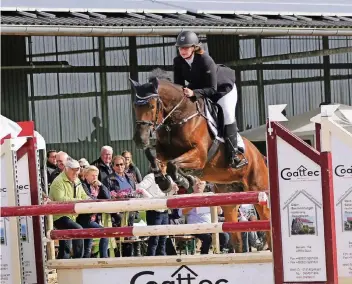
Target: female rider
point(207, 79)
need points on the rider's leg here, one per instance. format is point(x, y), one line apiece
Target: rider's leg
point(235, 160)
point(228, 105)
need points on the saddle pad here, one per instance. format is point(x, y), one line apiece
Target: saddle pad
point(214, 129)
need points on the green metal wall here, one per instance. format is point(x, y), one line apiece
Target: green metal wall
point(63, 101)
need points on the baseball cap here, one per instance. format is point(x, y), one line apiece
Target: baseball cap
point(72, 164)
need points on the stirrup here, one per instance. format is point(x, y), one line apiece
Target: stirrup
point(236, 162)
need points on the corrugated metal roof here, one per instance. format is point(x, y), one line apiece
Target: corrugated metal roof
point(269, 7)
point(169, 20)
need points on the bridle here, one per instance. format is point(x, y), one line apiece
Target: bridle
point(159, 108)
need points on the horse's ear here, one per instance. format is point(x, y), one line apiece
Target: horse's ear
point(155, 83)
point(134, 84)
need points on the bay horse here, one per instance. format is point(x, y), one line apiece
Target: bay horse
point(183, 141)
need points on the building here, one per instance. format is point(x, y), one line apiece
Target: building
point(65, 66)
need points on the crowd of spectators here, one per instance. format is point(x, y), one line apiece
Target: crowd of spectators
point(115, 177)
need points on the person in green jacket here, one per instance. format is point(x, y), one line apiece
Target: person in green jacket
point(68, 187)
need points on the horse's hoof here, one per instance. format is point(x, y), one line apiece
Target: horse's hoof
point(182, 181)
point(191, 180)
point(163, 183)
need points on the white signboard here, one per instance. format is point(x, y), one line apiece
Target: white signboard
point(342, 166)
point(302, 221)
point(26, 227)
point(27, 235)
point(191, 274)
point(5, 258)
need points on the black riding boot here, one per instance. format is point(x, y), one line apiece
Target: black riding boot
point(234, 160)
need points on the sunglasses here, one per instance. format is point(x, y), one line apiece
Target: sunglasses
point(116, 165)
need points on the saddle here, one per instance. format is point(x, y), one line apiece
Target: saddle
point(215, 117)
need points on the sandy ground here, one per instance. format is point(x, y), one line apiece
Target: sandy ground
point(52, 278)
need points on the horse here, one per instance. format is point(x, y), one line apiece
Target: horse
point(183, 141)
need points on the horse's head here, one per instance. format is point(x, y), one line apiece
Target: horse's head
point(148, 110)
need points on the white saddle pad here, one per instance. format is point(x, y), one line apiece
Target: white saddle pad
point(214, 129)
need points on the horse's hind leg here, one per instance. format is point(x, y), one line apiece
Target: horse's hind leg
point(264, 214)
point(231, 215)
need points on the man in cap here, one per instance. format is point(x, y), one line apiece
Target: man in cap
point(68, 187)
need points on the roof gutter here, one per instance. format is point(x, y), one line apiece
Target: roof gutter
point(35, 30)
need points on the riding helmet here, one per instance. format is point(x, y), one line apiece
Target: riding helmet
point(187, 39)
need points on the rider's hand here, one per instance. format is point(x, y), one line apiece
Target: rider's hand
point(188, 92)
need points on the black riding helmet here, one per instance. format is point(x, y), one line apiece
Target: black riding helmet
point(187, 39)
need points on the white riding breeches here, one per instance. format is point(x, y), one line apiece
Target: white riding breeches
point(228, 104)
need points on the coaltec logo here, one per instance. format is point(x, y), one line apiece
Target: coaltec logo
point(183, 275)
point(302, 173)
point(343, 171)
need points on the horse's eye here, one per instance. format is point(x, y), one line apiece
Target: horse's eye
point(151, 106)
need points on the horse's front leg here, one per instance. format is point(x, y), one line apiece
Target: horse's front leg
point(192, 159)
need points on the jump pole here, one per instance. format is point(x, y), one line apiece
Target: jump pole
point(159, 230)
point(182, 201)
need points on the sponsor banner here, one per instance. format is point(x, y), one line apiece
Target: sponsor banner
point(342, 178)
point(190, 274)
point(5, 246)
point(26, 225)
point(302, 223)
point(26, 232)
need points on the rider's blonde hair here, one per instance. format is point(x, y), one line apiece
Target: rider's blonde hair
point(198, 49)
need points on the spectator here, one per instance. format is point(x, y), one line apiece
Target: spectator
point(83, 163)
point(247, 213)
point(68, 187)
point(200, 215)
point(131, 168)
point(174, 219)
point(51, 163)
point(51, 166)
point(61, 158)
point(120, 185)
point(150, 189)
point(95, 190)
point(224, 238)
point(103, 163)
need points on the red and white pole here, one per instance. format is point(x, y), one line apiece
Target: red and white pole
point(136, 204)
point(159, 230)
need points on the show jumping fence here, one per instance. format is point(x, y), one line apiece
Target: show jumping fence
point(101, 206)
point(303, 221)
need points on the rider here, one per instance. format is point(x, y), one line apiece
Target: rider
point(207, 79)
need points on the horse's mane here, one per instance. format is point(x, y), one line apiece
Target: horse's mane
point(160, 74)
point(164, 77)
